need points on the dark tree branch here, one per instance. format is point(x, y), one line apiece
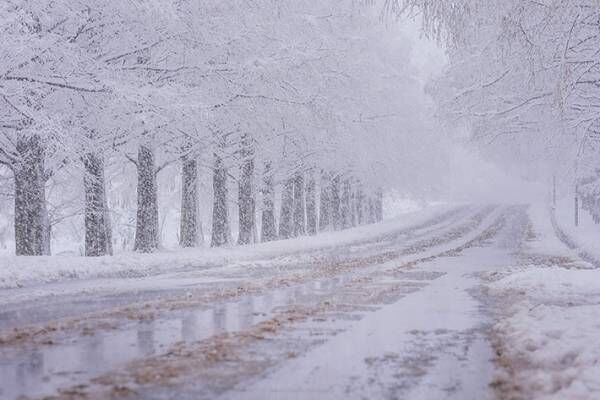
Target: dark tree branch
point(55, 84)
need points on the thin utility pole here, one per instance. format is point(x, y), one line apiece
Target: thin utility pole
point(554, 191)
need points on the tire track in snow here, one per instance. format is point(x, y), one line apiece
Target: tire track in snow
point(571, 243)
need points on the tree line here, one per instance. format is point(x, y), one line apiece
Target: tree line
point(524, 80)
point(293, 105)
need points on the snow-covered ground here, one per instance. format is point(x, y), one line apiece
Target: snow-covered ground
point(470, 302)
point(584, 238)
point(27, 271)
point(549, 315)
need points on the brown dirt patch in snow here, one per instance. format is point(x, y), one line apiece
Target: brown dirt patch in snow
point(506, 383)
point(512, 380)
point(212, 365)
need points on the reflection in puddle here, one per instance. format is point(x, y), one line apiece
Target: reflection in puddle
point(42, 371)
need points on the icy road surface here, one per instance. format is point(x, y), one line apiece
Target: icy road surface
point(399, 315)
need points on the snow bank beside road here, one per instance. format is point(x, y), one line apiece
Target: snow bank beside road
point(544, 239)
point(548, 343)
point(549, 315)
point(546, 337)
point(583, 239)
point(25, 271)
point(545, 284)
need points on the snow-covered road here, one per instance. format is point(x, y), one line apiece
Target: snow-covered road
point(399, 315)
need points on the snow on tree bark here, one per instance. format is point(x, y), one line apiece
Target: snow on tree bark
point(246, 201)
point(325, 206)
point(31, 219)
point(47, 231)
point(336, 215)
point(128, 88)
point(379, 206)
point(97, 227)
point(346, 204)
point(360, 206)
point(189, 232)
point(299, 206)
point(220, 215)
point(146, 231)
point(311, 205)
point(353, 203)
point(371, 213)
point(286, 227)
point(268, 227)
point(108, 224)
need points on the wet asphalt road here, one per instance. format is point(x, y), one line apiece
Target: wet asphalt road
point(398, 316)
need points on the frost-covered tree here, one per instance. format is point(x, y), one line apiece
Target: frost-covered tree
point(284, 107)
point(522, 78)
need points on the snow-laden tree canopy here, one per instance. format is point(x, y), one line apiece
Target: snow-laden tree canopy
point(523, 78)
point(321, 89)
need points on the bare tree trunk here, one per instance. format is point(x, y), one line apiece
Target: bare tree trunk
point(336, 214)
point(286, 228)
point(189, 224)
point(576, 214)
point(311, 205)
point(146, 230)
point(108, 223)
point(220, 219)
point(379, 206)
point(31, 219)
point(346, 204)
point(47, 231)
point(269, 230)
point(360, 204)
point(554, 191)
point(354, 202)
point(325, 207)
point(97, 236)
point(246, 201)
point(299, 206)
point(371, 212)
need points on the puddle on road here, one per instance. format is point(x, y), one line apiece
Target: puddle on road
point(42, 371)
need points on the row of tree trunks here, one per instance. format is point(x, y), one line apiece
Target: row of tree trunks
point(147, 234)
point(32, 221)
point(342, 202)
point(374, 209)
